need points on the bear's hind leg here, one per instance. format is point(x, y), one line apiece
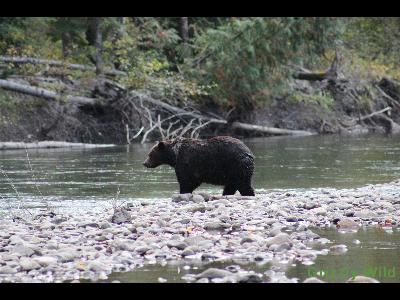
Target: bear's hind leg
point(229, 190)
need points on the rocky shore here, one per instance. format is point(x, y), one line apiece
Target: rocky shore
point(274, 228)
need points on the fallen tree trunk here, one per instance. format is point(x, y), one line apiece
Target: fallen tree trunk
point(49, 144)
point(270, 130)
point(393, 126)
point(174, 109)
point(375, 113)
point(135, 95)
point(234, 125)
point(330, 73)
point(54, 63)
point(43, 93)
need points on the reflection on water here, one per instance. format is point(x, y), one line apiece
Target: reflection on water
point(281, 162)
point(377, 255)
point(93, 175)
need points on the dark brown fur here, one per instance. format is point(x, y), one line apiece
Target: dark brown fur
point(221, 160)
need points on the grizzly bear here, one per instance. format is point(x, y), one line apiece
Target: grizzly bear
point(220, 160)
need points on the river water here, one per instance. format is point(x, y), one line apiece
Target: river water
point(78, 178)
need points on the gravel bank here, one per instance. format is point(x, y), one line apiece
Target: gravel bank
point(275, 227)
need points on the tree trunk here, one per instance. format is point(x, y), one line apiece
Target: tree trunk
point(94, 35)
point(99, 46)
point(330, 73)
point(49, 144)
point(184, 33)
point(269, 130)
point(66, 44)
point(55, 63)
point(184, 28)
point(43, 93)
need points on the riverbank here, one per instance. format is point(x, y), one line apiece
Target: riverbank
point(118, 115)
point(273, 228)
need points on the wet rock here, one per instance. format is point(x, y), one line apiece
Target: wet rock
point(313, 280)
point(212, 273)
point(181, 198)
point(58, 220)
point(46, 261)
point(97, 266)
point(349, 213)
point(311, 205)
point(142, 249)
point(275, 231)
point(184, 221)
point(188, 251)
point(320, 211)
point(197, 208)
point(22, 250)
point(28, 264)
point(347, 224)
point(88, 224)
point(216, 225)
point(365, 214)
point(283, 247)
point(247, 239)
point(198, 198)
point(8, 270)
point(177, 244)
point(104, 225)
point(344, 206)
point(67, 255)
point(279, 239)
point(338, 249)
point(291, 219)
point(362, 279)
point(120, 216)
point(248, 278)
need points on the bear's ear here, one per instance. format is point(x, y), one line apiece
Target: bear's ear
point(161, 145)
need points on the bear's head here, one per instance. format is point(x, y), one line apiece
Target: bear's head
point(161, 153)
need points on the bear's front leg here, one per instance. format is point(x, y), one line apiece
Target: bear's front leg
point(187, 187)
point(187, 184)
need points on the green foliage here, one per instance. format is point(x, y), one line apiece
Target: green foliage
point(232, 62)
point(247, 57)
point(321, 98)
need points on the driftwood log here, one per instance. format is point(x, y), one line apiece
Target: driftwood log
point(49, 144)
point(330, 73)
point(43, 93)
point(54, 63)
point(175, 116)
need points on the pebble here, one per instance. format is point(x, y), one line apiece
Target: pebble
point(320, 211)
point(313, 280)
point(8, 270)
point(365, 214)
point(216, 225)
point(28, 264)
point(198, 198)
point(177, 244)
point(46, 261)
point(338, 249)
point(271, 230)
point(121, 216)
point(212, 273)
point(279, 239)
point(362, 279)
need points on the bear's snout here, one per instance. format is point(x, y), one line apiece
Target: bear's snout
point(147, 164)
